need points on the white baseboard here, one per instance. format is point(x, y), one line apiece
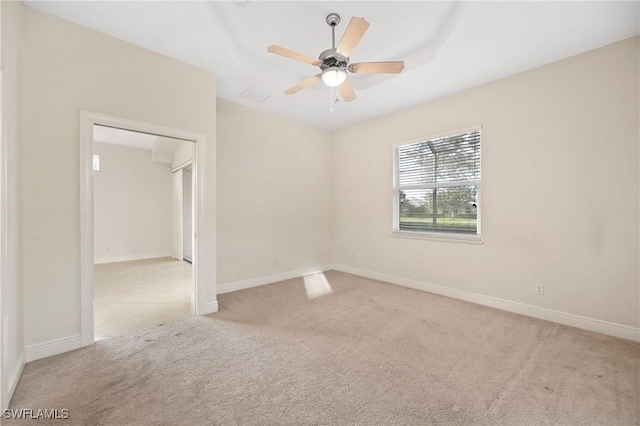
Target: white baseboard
point(53, 347)
point(14, 378)
point(599, 326)
point(208, 308)
point(129, 257)
point(255, 282)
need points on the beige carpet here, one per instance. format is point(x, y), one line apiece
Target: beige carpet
point(359, 352)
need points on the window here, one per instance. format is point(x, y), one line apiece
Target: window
point(437, 187)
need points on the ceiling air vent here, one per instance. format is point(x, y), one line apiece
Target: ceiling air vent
point(254, 95)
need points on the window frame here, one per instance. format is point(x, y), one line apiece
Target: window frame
point(433, 235)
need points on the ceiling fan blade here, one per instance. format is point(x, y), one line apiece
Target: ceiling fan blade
point(389, 67)
point(303, 85)
point(346, 91)
point(352, 35)
point(293, 55)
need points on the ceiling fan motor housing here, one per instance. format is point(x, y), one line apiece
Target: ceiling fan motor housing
point(331, 58)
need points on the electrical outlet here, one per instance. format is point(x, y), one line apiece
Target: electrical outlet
point(539, 289)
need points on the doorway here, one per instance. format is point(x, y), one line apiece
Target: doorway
point(203, 274)
point(138, 282)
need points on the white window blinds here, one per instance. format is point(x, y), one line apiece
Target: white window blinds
point(437, 184)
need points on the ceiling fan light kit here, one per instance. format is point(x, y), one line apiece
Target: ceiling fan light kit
point(333, 76)
point(334, 62)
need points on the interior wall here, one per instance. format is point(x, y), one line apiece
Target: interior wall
point(68, 68)
point(560, 184)
point(132, 205)
point(274, 186)
point(11, 291)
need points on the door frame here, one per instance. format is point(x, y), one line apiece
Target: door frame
point(192, 198)
point(87, 120)
point(178, 172)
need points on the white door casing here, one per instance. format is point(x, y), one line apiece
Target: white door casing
point(205, 294)
point(187, 215)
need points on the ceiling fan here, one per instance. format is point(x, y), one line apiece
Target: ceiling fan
point(334, 62)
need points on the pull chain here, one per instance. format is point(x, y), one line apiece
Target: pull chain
point(331, 100)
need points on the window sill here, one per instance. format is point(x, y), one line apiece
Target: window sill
point(432, 236)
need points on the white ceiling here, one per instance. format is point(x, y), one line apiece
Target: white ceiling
point(447, 46)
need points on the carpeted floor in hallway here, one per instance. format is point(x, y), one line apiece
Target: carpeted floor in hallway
point(335, 349)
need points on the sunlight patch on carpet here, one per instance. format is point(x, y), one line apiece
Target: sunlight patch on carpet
point(316, 285)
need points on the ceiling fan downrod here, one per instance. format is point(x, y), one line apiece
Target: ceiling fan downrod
point(333, 19)
point(330, 58)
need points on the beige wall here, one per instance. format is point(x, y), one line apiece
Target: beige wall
point(132, 205)
point(274, 194)
point(68, 68)
point(559, 189)
point(11, 294)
